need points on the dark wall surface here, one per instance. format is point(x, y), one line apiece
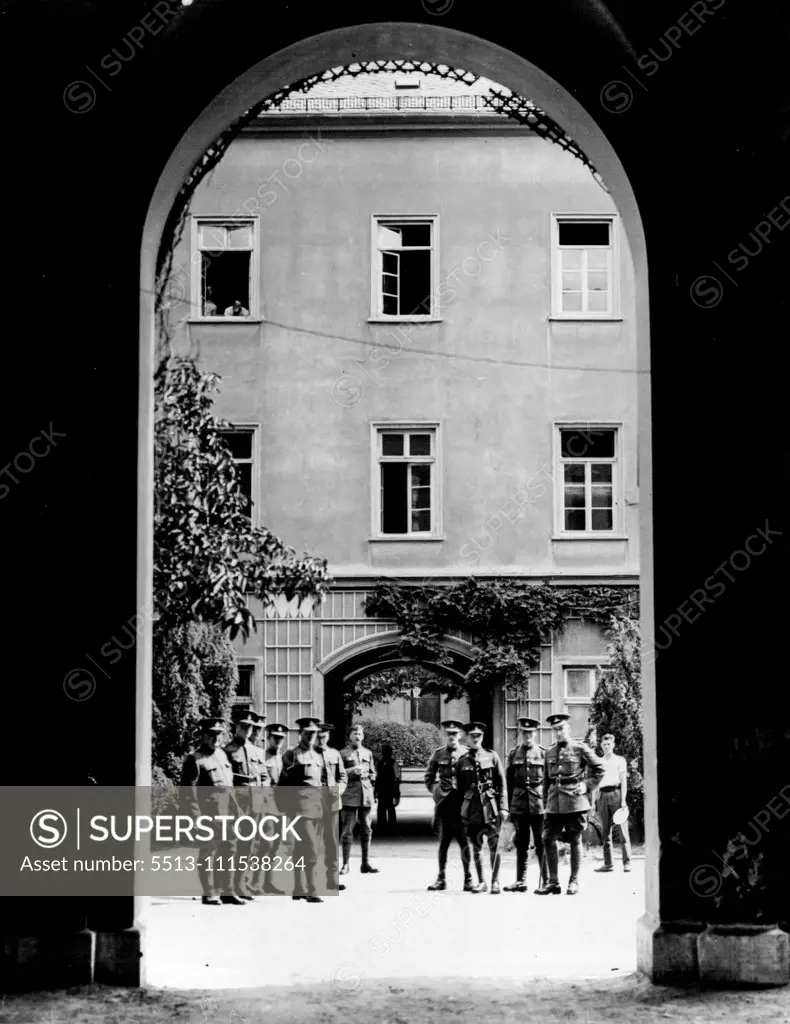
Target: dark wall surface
point(703, 134)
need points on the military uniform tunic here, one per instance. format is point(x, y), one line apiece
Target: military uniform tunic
point(566, 783)
point(525, 770)
point(481, 781)
point(207, 788)
point(441, 779)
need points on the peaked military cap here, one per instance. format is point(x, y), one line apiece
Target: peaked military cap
point(528, 723)
point(556, 719)
point(246, 719)
point(212, 725)
point(325, 727)
point(451, 725)
point(311, 724)
point(275, 729)
point(475, 727)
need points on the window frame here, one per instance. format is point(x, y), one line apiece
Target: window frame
point(376, 269)
point(251, 664)
point(557, 312)
point(618, 475)
point(254, 430)
point(196, 276)
point(412, 426)
point(575, 663)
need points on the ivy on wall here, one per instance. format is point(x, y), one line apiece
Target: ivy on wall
point(506, 620)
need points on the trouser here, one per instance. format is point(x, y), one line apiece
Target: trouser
point(214, 870)
point(570, 827)
point(349, 817)
point(450, 826)
point(478, 832)
point(523, 824)
point(305, 879)
point(245, 847)
point(328, 829)
point(608, 803)
point(386, 819)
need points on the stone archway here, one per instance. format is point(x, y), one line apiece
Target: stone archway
point(310, 56)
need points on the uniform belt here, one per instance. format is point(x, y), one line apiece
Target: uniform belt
point(563, 781)
point(609, 789)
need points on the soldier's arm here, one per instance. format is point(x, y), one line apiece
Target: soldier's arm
point(595, 767)
point(510, 774)
point(430, 773)
point(546, 779)
point(188, 784)
point(373, 772)
point(342, 776)
point(501, 784)
point(288, 763)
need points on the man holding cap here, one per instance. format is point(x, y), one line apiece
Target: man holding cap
point(610, 798)
point(526, 765)
point(302, 766)
point(573, 772)
point(481, 780)
point(442, 782)
point(207, 784)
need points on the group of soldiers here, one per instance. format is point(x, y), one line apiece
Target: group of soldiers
point(547, 793)
point(221, 780)
point(544, 792)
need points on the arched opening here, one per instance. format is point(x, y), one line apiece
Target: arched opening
point(372, 42)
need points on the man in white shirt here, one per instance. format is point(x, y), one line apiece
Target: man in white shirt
point(611, 796)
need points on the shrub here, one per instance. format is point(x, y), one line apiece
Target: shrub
point(411, 743)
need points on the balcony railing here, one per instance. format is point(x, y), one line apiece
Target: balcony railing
point(372, 104)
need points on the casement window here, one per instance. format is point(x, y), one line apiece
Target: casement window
point(404, 268)
point(588, 480)
point(584, 267)
point(244, 691)
point(579, 689)
point(241, 441)
point(225, 258)
point(406, 502)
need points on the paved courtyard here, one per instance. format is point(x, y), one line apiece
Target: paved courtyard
point(388, 926)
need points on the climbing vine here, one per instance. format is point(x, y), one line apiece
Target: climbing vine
point(506, 621)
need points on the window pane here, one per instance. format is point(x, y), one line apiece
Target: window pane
point(420, 444)
point(601, 496)
point(597, 259)
point(574, 473)
point(577, 681)
point(389, 237)
point(244, 689)
point(571, 302)
point(574, 519)
point(227, 280)
point(589, 442)
point(389, 305)
point(574, 496)
point(421, 475)
point(415, 283)
point(420, 497)
point(239, 236)
point(421, 521)
point(389, 262)
point(597, 302)
point(580, 716)
point(244, 477)
point(239, 442)
point(571, 280)
point(602, 519)
point(393, 497)
point(584, 232)
point(572, 259)
point(392, 444)
point(416, 234)
point(601, 473)
point(598, 281)
point(212, 236)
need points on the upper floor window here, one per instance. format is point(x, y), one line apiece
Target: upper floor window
point(587, 479)
point(584, 267)
point(241, 441)
point(404, 262)
point(225, 287)
point(407, 486)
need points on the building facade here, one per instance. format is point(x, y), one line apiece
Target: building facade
point(423, 316)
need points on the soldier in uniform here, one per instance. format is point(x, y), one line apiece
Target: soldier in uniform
point(526, 765)
point(483, 788)
point(572, 774)
point(207, 784)
point(302, 767)
point(272, 755)
point(333, 774)
point(249, 773)
point(442, 784)
point(357, 798)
